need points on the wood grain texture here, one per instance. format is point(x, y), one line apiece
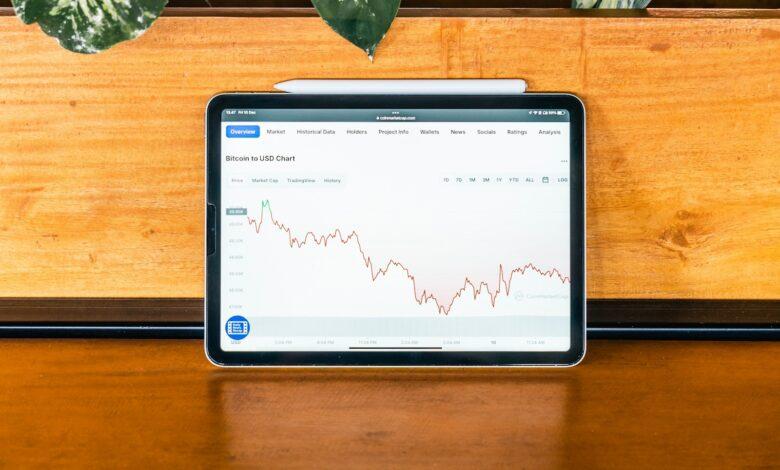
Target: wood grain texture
point(159, 403)
point(101, 157)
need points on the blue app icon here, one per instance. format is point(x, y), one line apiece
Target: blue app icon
point(237, 327)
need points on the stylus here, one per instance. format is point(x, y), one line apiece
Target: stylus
point(487, 86)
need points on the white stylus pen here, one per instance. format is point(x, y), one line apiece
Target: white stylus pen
point(486, 86)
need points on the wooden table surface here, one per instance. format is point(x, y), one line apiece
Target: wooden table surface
point(160, 403)
point(683, 139)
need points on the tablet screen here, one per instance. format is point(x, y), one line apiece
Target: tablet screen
point(395, 229)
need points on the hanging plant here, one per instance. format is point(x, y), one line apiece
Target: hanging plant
point(90, 26)
point(362, 22)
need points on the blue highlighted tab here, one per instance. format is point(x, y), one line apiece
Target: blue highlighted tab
point(243, 132)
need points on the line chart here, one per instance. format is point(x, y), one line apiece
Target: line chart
point(421, 296)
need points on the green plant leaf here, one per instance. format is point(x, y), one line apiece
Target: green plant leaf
point(89, 26)
point(361, 22)
point(613, 4)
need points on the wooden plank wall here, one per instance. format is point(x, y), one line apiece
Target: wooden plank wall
point(101, 157)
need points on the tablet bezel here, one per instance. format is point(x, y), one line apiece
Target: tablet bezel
point(395, 358)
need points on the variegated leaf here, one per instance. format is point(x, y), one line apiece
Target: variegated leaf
point(89, 26)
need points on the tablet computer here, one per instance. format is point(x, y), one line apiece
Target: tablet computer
point(395, 230)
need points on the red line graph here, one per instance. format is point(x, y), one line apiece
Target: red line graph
point(504, 280)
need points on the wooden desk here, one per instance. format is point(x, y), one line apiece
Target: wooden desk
point(159, 403)
point(101, 157)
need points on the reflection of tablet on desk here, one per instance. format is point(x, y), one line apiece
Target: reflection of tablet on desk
point(395, 230)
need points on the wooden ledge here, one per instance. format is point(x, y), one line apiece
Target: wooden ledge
point(602, 313)
point(139, 403)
